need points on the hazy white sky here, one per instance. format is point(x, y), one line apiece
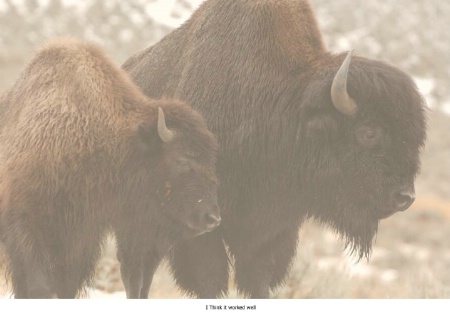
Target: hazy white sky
point(162, 11)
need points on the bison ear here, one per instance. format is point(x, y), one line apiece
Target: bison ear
point(149, 138)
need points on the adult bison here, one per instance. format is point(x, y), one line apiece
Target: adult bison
point(303, 133)
point(84, 151)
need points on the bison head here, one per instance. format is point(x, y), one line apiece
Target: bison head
point(186, 184)
point(366, 122)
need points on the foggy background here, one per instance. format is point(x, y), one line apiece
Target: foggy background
point(411, 257)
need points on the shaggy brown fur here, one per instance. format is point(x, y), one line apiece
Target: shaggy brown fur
point(80, 154)
point(259, 73)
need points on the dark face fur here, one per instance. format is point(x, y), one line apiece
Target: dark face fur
point(365, 164)
point(186, 188)
point(188, 195)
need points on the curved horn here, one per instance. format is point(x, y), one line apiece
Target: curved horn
point(164, 133)
point(339, 96)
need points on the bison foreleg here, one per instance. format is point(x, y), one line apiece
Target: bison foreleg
point(132, 272)
point(38, 280)
point(75, 264)
point(30, 278)
point(29, 260)
point(137, 268)
point(151, 263)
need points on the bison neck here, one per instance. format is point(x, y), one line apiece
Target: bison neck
point(242, 64)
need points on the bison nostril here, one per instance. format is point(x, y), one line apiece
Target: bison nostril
point(205, 219)
point(403, 200)
point(212, 220)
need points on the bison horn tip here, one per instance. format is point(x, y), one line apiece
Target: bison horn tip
point(164, 133)
point(339, 95)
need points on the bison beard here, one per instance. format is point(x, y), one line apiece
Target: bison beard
point(83, 152)
point(303, 134)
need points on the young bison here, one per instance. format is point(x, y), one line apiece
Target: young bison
point(83, 151)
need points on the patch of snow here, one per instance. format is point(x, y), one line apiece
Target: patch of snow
point(361, 270)
point(389, 276)
point(168, 12)
point(446, 107)
point(98, 294)
point(422, 254)
point(426, 87)
point(43, 3)
point(80, 7)
point(328, 263)
point(126, 35)
point(136, 18)
point(196, 3)
point(20, 6)
point(329, 236)
point(161, 12)
point(3, 7)
point(379, 253)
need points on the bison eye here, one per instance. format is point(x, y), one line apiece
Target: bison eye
point(191, 153)
point(369, 136)
point(183, 165)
